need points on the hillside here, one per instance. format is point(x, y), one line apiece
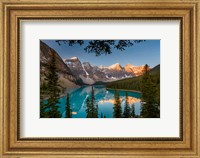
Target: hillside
point(134, 83)
point(66, 77)
point(155, 70)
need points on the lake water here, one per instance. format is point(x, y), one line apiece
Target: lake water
point(104, 98)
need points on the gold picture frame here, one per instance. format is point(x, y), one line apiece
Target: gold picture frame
point(12, 12)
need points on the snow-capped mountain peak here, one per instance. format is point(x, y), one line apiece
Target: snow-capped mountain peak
point(91, 74)
point(103, 67)
point(129, 65)
point(116, 66)
point(136, 70)
point(74, 58)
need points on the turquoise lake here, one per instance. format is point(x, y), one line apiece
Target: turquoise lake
point(103, 97)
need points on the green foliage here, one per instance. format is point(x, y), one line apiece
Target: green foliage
point(149, 89)
point(149, 86)
point(68, 109)
point(127, 110)
point(88, 107)
point(43, 106)
point(91, 106)
point(117, 113)
point(135, 83)
point(70, 42)
point(128, 84)
point(100, 47)
point(51, 89)
point(133, 110)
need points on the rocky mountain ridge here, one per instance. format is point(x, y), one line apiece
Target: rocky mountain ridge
point(74, 73)
point(91, 74)
point(66, 77)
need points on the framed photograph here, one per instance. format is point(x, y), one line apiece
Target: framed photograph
point(99, 79)
point(105, 87)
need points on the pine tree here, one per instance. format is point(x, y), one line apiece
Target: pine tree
point(117, 106)
point(68, 109)
point(52, 89)
point(149, 94)
point(42, 109)
point(101, 115)
point(127, 109)
point(92, 106)
point(133, 110)
point(43, 106)
point(88, 108)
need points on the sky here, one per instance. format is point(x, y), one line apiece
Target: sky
point(147, 52)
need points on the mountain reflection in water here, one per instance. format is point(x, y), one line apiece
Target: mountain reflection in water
point(104, 98)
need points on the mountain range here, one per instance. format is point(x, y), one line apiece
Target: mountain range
point(91, 74)
point(73, 73)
